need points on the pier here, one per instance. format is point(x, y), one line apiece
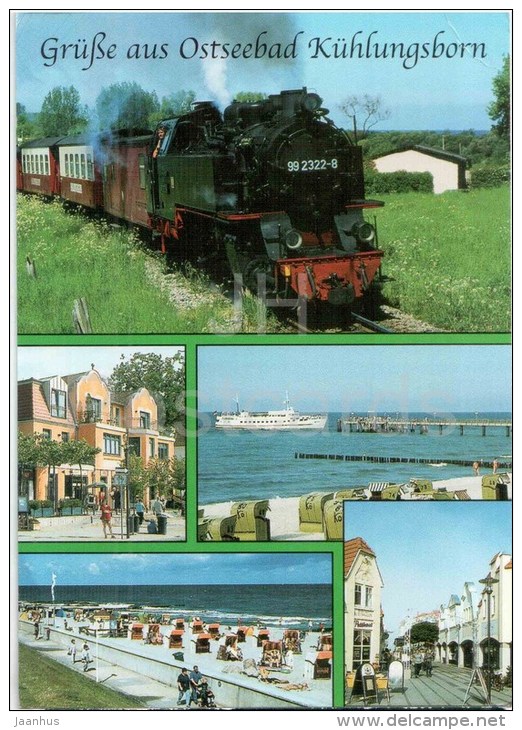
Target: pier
point(390, 424)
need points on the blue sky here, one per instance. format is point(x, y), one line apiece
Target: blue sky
point(445, 379)
point(433, 93)
point(40, 362)
point(189, 569)
point(426, 551)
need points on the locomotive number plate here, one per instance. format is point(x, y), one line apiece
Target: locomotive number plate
point(312, 165)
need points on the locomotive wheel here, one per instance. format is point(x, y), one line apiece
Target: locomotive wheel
point(258, 274)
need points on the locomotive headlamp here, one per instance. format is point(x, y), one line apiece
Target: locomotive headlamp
point(311, 102)
point(293, 239)
point(363, 232)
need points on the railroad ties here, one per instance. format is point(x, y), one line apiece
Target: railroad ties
point(388, 424)
point(501, 465)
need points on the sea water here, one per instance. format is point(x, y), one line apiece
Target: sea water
point(289, 605)
point(254, 465)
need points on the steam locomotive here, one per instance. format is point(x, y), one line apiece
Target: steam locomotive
point(272, 188)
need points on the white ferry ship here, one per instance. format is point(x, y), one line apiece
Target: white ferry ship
point(287, 419)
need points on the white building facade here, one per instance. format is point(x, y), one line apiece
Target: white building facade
point(362, 599)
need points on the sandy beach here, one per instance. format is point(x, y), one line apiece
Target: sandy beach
point(244, 683)
point(284, 513)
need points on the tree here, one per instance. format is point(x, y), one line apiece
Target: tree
point(500, 109)
point(365, 112)
point(61, 112)
point(24, 127)
point(125, 106)
point(424, 632)
point(164, 378)
point(79, 452)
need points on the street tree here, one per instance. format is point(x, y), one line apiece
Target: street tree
point(125, 106)
point(164, 378)
point(364, 113)
point(62, 113)
point(500, 109)
point(79, 452)
point(424, 632)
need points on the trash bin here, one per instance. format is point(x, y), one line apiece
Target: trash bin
point(130, 524)
point(333, 519)
point(311, 511)
point(251, 523)
point(136, 523)
point(162, 524)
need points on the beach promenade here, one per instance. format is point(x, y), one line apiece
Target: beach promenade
point(150, 671)
point(88, 528)
point(284, 512)
point(446, 688)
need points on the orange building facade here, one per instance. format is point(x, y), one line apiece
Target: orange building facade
point(81, 407)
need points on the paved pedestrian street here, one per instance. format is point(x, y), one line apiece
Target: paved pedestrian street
point(446, 688)
point(89, 528)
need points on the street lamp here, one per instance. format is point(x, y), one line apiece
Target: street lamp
point(488, 582)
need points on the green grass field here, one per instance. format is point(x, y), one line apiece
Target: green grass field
point(75, 258)
point(47, 685)
point(449, 257)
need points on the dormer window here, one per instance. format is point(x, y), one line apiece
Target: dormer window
point(144, 419)
point(58, 403)
point(92, 409)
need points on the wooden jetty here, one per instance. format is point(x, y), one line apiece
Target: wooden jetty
point(391, 424)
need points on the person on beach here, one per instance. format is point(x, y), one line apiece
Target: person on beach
point(106, 517)
point(37, 629)
point(195, 678)
point(86, 656)
point(72, 651)
point(206, 696)
point(184, 688)
point(495, 466)
point(476, 470)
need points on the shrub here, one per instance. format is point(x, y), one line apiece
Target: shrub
point(379, 183)
point(490, 176)
point(70, 503)
point(40, 503)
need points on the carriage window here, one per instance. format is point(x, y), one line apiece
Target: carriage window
point(141, 171)
point(90, 167)
point(82, 164)
point(76, 165)
point(42, 168)
point(46, 163)
point(66, 163)
point(32, 163)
